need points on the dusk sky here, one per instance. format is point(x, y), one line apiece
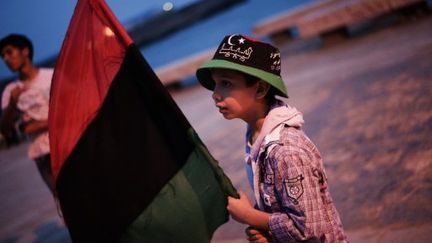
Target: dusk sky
point(45, 21)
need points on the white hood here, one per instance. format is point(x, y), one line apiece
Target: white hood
point(279, 114)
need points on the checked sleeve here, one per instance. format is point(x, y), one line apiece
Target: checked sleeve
point(300, 189)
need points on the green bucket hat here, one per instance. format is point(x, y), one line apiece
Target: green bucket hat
point(244, 54)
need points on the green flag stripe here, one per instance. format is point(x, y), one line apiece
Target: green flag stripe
point(192, 201)
point(224, 182)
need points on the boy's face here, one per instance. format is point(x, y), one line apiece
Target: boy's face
point(14, 57)
point(231, 95)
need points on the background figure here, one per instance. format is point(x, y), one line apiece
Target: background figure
point(25, 102)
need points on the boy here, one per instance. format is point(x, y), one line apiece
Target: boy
point(284, 167)
point(25, 101)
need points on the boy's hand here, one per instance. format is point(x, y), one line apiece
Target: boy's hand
point(240, 209)
point(34, 126)
point(259, 236)
point(15, 93)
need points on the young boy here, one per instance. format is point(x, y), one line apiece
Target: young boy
point(284, 167)
point(25, 101)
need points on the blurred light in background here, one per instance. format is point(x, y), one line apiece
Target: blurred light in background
point(168, 6)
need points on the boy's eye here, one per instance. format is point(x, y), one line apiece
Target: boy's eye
point(226, 83)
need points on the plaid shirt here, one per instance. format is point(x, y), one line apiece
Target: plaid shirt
point(293, 188)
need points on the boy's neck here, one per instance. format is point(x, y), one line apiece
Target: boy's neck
point(28, 73)
point(256, 129)
point(256, 121)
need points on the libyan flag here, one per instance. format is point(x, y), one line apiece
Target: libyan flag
point(128, 165)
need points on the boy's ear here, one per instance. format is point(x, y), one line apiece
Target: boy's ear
point(262, 89)
point(26, 51)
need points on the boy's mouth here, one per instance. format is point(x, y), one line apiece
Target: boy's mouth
point(222, 109)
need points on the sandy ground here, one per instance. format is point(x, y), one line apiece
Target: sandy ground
point(367, 105)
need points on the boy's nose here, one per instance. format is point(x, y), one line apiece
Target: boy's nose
point(216, 96)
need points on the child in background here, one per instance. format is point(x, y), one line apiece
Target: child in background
point(284, 167)
point(25, 102)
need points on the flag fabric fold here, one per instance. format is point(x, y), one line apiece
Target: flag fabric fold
point(128, 165)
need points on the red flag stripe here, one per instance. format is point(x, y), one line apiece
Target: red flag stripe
point(92, 52)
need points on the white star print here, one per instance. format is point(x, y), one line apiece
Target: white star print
point(241, 41)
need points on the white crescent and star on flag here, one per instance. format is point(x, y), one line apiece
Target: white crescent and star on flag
point(241, 40)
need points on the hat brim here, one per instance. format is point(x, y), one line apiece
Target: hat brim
point(204, 75)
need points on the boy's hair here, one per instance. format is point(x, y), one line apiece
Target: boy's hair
point(19, 41)
point(270, 97)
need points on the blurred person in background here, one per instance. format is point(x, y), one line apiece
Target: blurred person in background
point(25, 102)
